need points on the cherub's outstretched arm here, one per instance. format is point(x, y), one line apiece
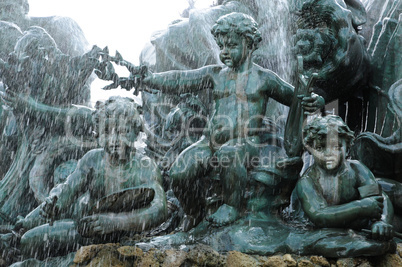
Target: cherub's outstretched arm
point(177, 82)
point(20, 103)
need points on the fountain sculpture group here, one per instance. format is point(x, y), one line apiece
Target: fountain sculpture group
point(216, 149)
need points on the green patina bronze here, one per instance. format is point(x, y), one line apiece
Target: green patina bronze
point(241, 90)
point(69, 39)
point(234, 179)
point(36, 89)
point(335, 192)
point(113, 191)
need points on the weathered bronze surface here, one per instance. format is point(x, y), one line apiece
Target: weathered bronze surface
point(218, 167)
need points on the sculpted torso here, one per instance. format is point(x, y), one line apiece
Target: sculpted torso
point(240, 100)
point(339, 188)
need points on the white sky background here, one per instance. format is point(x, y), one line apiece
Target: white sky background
point(123, 25)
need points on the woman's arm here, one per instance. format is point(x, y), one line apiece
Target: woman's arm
point(21, 103)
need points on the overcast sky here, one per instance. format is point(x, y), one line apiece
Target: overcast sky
point(125, 25)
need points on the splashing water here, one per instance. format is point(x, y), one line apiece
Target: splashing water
point(274, 53)
point(275, 25)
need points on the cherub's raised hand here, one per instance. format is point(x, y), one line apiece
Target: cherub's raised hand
point(312, 103)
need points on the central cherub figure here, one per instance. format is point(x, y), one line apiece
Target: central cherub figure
point(241, 90)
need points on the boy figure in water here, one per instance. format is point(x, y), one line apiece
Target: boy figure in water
point(241, 90)
point(123, 186)
point(339, 193)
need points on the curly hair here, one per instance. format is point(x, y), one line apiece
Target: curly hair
point(319, 128)
point(117, 107)
point(240, 23)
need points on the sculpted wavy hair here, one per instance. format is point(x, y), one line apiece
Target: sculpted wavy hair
point(240, 23)
point(319, 128)
point(115, 108)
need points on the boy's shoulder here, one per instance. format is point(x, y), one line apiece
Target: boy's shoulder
point(358, 167)
point(309, 177)
point(261, 71)
point(216, 68)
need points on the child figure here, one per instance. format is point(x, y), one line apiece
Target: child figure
point(241, 90)
point(339, 193)
point(123, 189)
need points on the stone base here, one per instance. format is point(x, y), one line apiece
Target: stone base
point(202, 255)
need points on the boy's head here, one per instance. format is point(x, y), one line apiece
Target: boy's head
point(117, 125)
point(237, 36)
point(328, 139)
